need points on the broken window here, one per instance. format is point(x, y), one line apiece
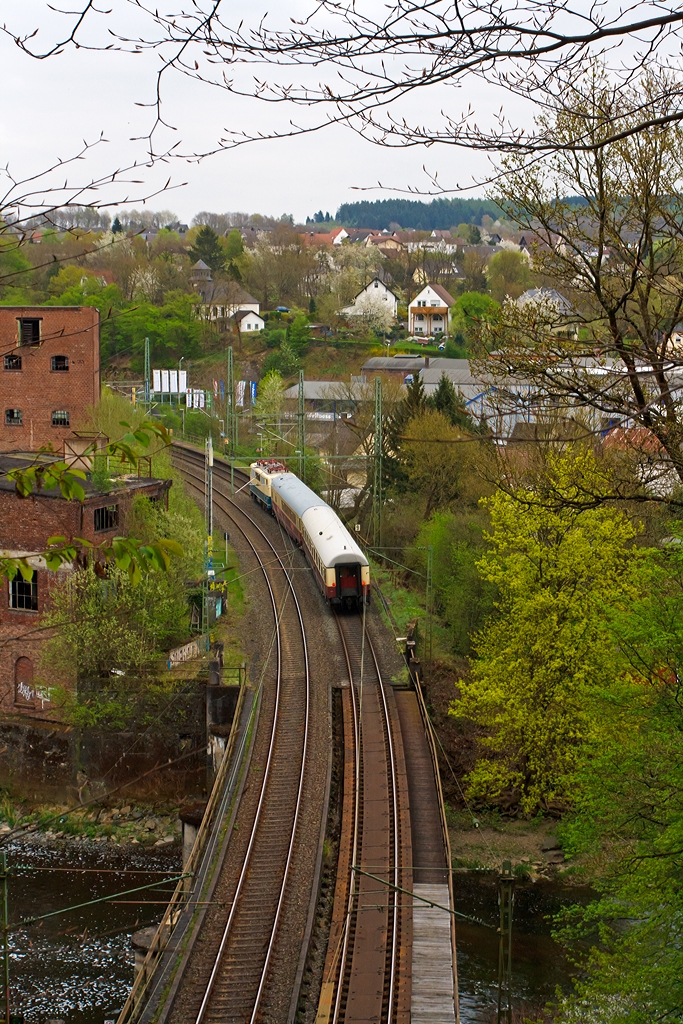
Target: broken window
point(29, 331)
point(12, 362)
point(60, 418)
point(59, 363)
point(13, 417)
point(23, 594)
point(106, 517)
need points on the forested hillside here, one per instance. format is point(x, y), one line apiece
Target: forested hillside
point(413, 213)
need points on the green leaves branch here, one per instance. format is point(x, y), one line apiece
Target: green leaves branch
point(130, 555)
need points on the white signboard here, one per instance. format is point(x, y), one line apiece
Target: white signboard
point(241, 388)
point(173, 381)
point(156, 380)
point(182, 380)
point(164, 382)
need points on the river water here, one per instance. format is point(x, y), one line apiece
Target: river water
point(539, 964)
point(77, 967)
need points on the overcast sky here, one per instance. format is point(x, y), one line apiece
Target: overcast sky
point(50, 106)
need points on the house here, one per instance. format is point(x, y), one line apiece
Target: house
point(222, 300)
point(385, 242)
point(247, 320)
point(375, 294)
point(26, 524)
point(49, 375)
point(428, 312)
point(555, 311)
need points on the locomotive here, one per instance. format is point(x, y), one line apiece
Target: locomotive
point(339, 566)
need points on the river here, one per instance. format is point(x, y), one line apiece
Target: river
point(539, 964)
point(77, 967)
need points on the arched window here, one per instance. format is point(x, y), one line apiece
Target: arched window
point(60, 418)
point(59, 364)
point(24, 691)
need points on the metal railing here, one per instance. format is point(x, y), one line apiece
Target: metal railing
point(138, 994)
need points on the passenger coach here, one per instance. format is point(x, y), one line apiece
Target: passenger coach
point(339, 565)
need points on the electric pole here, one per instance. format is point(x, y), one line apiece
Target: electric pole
point(148, 373)
point(377, 474)
point(301, 428)
point(231, 412)
point(506, 901)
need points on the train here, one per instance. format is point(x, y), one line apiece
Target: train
point(339, 566)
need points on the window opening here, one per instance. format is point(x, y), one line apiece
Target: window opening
point(60, 418)
point(59, 364)
point(23, 594)
point(107, 517)
point(12, 362)
point(29, 331)
point(13, 417)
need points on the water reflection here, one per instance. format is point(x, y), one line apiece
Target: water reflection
point(539, 964)
point(78, 967)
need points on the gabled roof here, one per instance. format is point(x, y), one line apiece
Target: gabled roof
point(440, 291)
point(200, 265)
point(240, 314)
point(383, 282)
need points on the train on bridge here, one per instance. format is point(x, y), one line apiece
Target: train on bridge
point(339, 566)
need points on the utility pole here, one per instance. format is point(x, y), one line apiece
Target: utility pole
point(231, 413)
point(429, 600)
point(5, 935)
point(377, 475)
point(209, 486)
point(506, 901)
point(301, 428)
point(148, 373)
point(209, 573)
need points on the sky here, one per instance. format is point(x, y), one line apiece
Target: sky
point(51, 106)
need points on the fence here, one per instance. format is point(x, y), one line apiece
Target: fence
point(180, 897)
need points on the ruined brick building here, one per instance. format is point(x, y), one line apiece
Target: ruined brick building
point(26, 524)
point(49, 377)
point(49, 373)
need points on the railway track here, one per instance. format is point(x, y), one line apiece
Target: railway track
point(367, 972)
point(230, 974)
point(367, 969)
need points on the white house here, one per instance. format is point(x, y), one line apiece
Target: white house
point(248, 320)
point(428, 312)
point(375, 295)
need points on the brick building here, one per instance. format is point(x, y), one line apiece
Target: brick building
point(49, 373)
point(25, 526)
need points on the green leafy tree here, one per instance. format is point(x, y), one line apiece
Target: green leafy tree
point(437, 472)
point(508, 274)
point(471, 311)
point(469, 233)
point(544, 664)
point(298, 333)
point(234, 250)
point(628, 820)
point(207, 247)
point(270, 395)
point(464, 597)
point(451, 404)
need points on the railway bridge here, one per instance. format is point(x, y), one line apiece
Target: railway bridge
point(325, 762)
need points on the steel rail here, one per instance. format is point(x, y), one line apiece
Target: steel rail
point(267, 772)
point(356, 814)
point(393, 950)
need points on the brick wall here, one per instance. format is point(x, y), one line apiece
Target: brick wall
point(25, 526)
point(30, 384)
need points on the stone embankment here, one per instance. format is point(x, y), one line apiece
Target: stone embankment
point(127, 824)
